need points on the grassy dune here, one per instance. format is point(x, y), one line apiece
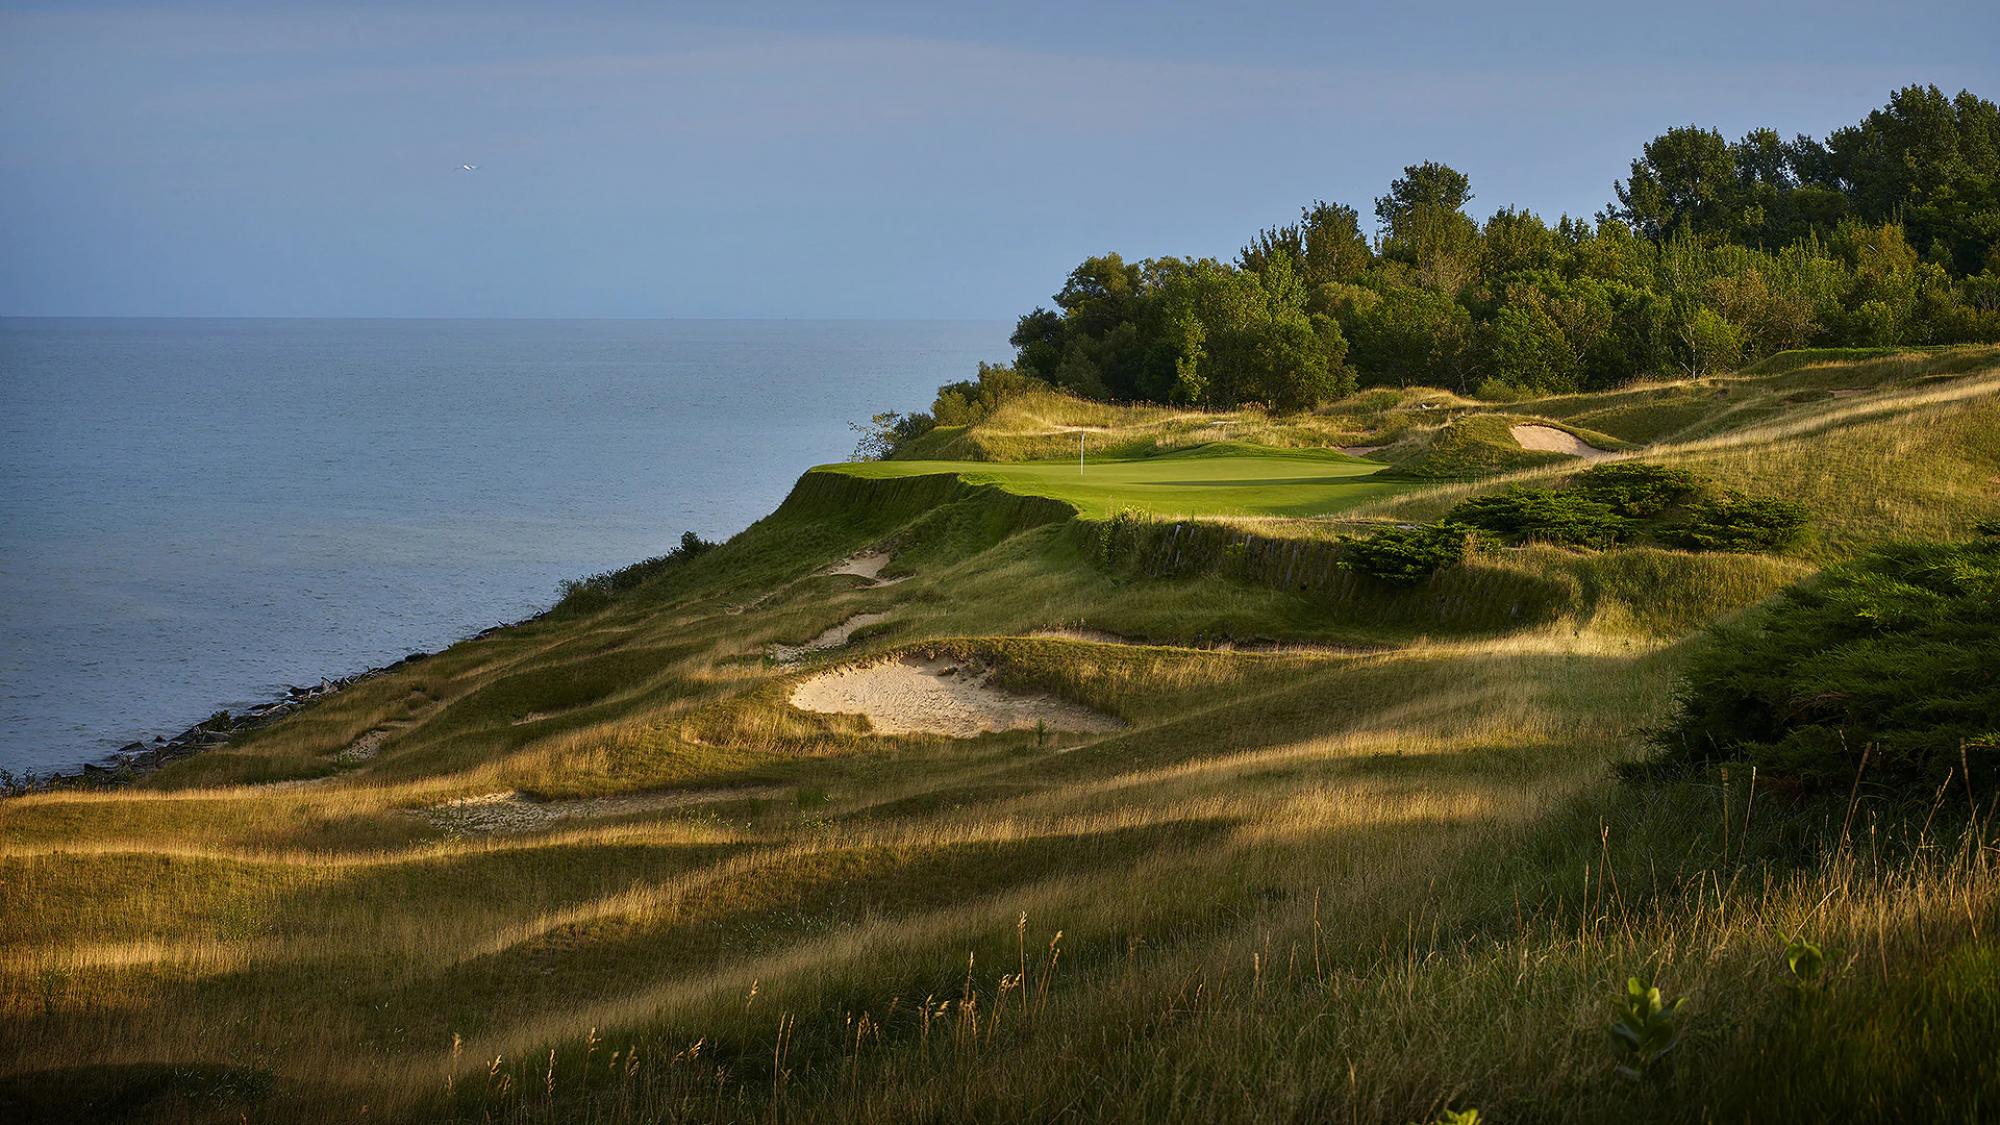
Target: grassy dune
point(1365, 861)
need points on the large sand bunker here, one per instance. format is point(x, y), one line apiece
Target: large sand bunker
point(832, 638)
point(1548, 439)
point(913, 696)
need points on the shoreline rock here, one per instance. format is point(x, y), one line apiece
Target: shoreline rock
point(139, 758)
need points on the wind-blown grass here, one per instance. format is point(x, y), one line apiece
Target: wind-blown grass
point(1371, 868)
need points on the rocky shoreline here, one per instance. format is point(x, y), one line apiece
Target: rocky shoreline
point(135, 760)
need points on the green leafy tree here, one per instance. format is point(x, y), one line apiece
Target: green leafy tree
point(1931, 161)
point(1325, 246)
point(1528, 350)
point(1426, 185)
point(1239, 336)
point(1518, 242)
point(1440, 246)
point(1684, 183)
point(1415, 336)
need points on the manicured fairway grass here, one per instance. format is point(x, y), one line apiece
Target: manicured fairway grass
point(1221, 479)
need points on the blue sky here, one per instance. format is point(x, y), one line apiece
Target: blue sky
point(832, 160)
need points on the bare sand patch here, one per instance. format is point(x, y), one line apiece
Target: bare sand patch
point(1549, 439)
point(513, 811)
point(865, 564)
point(832, 638)
point(1360, 450)
point(915, 696)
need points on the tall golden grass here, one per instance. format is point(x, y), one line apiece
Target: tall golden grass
point(1366, 883)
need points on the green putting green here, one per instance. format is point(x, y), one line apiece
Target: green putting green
point(1210, 480)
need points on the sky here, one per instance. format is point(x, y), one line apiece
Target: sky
point(854, 160)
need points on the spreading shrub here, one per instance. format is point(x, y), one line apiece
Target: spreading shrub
point(1734, 522)
point(1896, 655)
point(1572, 518)
point(1634, 503)
point(1405, 556)
point(594, 591)
point(1638, 490)
point(970, 401)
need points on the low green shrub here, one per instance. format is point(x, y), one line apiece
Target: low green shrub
point(1568, 517)
point(1405, 556)
point(594, 591)
point(1638, 490)
point(1734, 522)
point(1628, 502)
point(1895, 655)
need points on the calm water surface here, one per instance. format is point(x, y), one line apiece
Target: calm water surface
point(194, 513)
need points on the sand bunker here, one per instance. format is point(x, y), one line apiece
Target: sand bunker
point(1360, 450)
point(868, 565)
point(832, 638)
point(1548, 439)
point(913, 696)
point(513, 811)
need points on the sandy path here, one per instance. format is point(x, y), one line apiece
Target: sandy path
point(912, 696)
point(512, 811)
point(832, 638)
point(1548, 439)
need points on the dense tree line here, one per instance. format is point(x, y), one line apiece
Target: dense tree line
point(1714, 253)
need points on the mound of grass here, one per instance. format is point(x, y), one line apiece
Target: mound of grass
point(1479, 445)
point(1895, 656)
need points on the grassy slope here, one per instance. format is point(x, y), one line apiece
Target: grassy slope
point(1304, 884)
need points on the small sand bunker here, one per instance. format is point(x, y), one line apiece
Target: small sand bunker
point(513, 811)
point(913, 696)
point(1548, 439)
point(867, 564)
point(832, 638)
point(1360, 450)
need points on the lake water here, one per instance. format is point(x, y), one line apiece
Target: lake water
point(195, 513)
